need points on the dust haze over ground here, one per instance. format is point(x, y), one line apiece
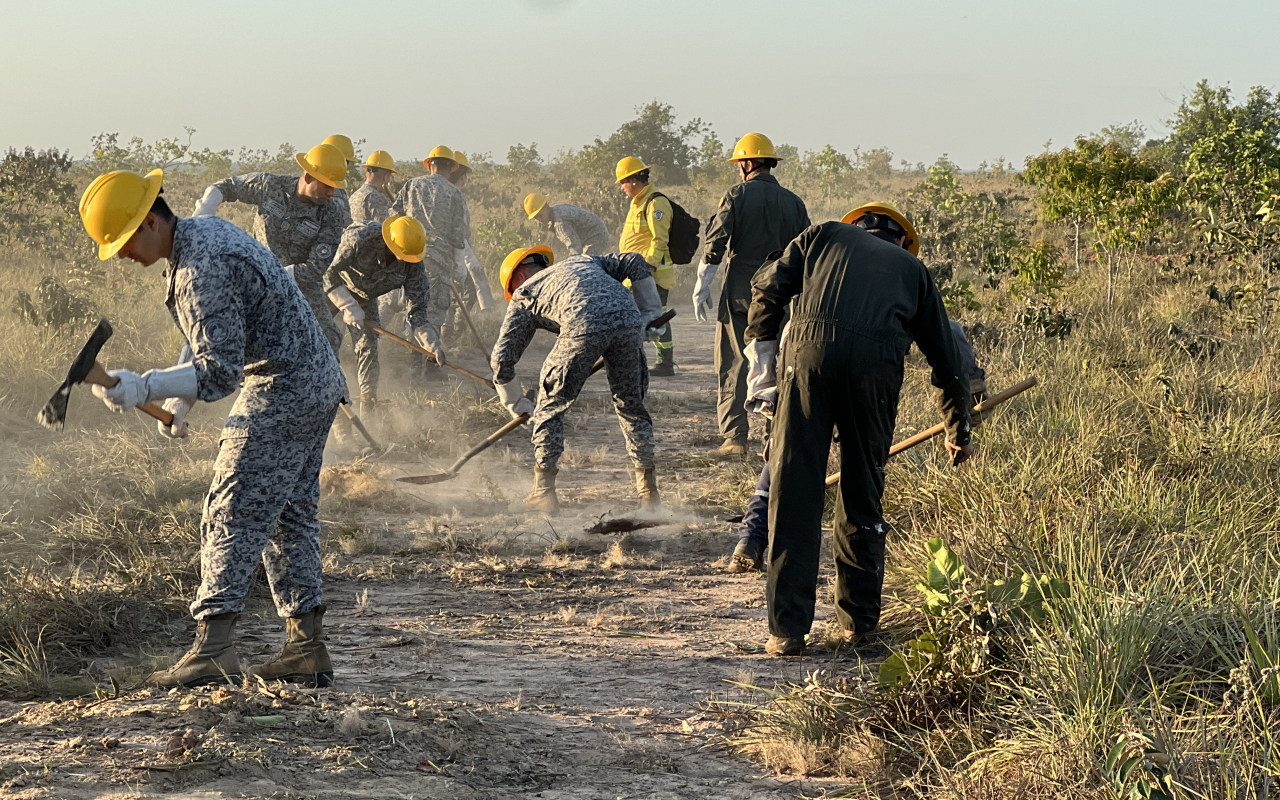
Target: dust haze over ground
point(478, 653)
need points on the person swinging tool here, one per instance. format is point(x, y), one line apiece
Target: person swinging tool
point(582, 301)
point(373, 259)
point(858, 297)
point(247, 326)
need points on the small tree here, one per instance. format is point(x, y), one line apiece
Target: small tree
point(655, 138)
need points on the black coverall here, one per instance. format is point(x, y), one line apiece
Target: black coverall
point(756, 217)
point(859, 303)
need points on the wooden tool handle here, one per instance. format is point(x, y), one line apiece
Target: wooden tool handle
point(657, 323)
point(427, 353)
point(98, 376)
point(978, 413)
point(489, 442)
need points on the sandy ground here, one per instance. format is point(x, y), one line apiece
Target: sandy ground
point(480, 652)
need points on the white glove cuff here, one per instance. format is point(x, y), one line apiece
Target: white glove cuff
point(646, 294)
point(761, 370)
point(208, 205)
point(509, 392)
point(179, 381)
point(342, 297)
point(706, 272)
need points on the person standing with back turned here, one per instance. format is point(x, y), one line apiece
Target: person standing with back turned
point(861, 297)
point(757, 217)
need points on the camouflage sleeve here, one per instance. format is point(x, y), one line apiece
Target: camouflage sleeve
point(348, 247)
point(719, 229)
point(417, 289)
point(517, 331)
point(569, 236)
point(624, 266)
point(458, 228)
point(211, 314)
point(401, 203)
point(251, 188)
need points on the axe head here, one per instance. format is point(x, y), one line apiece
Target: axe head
point(54, 413)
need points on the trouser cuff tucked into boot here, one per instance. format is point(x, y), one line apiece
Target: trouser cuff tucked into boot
point(647, 488)
point(304, 658)
point(543, 497)
point(211, 659)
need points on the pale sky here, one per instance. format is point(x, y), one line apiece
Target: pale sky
point(976, 80)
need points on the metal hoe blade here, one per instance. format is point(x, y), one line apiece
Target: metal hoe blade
point(54, 413)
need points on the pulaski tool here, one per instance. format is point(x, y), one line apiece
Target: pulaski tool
point(452, 472)
point(86, 369)
point(345, 405)
point(427, 353)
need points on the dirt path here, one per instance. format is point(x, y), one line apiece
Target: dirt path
point(480, 653)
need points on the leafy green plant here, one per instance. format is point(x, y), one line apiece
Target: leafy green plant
point(1139, 771)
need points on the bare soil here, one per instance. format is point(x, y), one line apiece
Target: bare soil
point(480, 651)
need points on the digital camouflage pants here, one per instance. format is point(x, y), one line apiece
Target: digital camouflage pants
point(564, 373)
point(365, 344)
point(262, 506)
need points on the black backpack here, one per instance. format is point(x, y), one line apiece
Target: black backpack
point(683, 239)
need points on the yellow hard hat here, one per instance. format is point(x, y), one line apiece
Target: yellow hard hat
point(754, 145)
point(406, 237)
point(890, 211)
point(534, 203)
point(460, 158)
point(440, 151)
point(627, 167)
point(344, 145)
point(382, 160)
point(115, 204)
point(325, 163)
point(513, 260)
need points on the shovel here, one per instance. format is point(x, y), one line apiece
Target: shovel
point(979, 413)
point(86, 369)
point(427, 353)
point(452, 472)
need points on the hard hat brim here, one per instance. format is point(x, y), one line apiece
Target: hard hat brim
point(756, 157)
point(913, 247)
point(426, 162)
point(379, 166)
point(513, 260)
point(307, 167)
point(395, 249)
point(537, 210)
point(622, 178)
point(155, 179)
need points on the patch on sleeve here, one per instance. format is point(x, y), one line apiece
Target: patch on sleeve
point(215, 332)
point(657, 213)
point(324, 250)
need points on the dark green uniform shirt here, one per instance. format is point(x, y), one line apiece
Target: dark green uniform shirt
point(855, 290)
point(757, 217)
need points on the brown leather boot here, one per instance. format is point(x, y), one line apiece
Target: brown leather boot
point(647, 488)
point(303, 659)
point(784, 645)
point(211, 659)
point(543, 497)
point(730, 448)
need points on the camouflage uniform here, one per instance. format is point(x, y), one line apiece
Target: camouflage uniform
point(439, 206)
point(249, 328)
point(368, 203)
point(361, 266)
point(582, 232)
point(300, 235)
point(582, 301)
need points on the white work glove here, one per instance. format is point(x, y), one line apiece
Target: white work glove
point(428, 340)
point(178, 407)
point(352, 313)
point(483, 295)
point(762, 376)
point(650, 305)
point(289, 271)
point(702, 291)
point(208, 204)
point(512, 396)
point(156, 384)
